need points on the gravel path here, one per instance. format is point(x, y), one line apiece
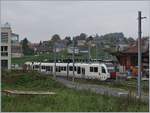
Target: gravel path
point(97, 89)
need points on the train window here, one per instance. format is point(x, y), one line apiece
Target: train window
point(47, 68)
point(95, 69)
point(75, 68)
point(43, 67)
point(70, 68)
point(78, 70)
point(51, 69)
point(91, 69)
point(103, 70)
point(36, 66)
point(64, 68)
point(57, 69)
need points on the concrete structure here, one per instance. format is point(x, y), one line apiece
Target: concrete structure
point(6, 46)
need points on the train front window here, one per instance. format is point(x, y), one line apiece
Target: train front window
point(103, 70)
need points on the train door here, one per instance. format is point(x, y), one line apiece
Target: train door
point(78, 70)
point(67, 70)
point(51, 69)
point(83, 72)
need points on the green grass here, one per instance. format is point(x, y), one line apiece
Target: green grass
point(65, 100)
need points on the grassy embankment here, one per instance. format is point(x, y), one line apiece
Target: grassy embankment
point(65, 100)
point(129, 85)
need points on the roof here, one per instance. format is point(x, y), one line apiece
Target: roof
point(134, 48)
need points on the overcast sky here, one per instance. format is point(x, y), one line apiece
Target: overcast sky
point(39, 20)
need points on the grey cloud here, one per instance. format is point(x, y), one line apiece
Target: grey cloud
point(40, 20)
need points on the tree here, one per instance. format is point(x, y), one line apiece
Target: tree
point(40, 43)
point(130, 40)
point(25, 47)
point(68, 40)
point(90, 38)
point(55, 38)
point(83, 36)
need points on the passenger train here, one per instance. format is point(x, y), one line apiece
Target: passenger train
point(81, 70)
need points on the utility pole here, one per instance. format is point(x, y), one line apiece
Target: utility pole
point(139, 54)
point(73, 55)
point(96, 45)
point(54, 60)
point(89, 51)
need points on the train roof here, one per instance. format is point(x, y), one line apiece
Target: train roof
point(28, 63)
point(94, 64)
point(62, 64)
point(46, 63)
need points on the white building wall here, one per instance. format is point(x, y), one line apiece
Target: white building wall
point(8, 44)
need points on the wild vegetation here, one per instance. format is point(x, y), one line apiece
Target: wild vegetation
point(65, 100)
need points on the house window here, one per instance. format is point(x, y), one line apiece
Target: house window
point(5, 48)
point(4, 64)
point(4, 53)
point(4, 37)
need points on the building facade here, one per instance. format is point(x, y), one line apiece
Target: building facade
point(6, 46)
point(129, 57)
